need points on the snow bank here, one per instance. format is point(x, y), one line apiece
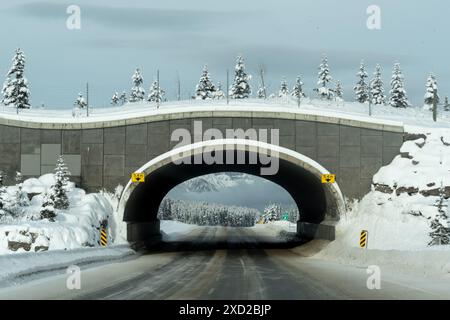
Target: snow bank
point(341, 109)
point(435, 261)
point(76, 227)
point(172, 229)
point(15, 266)
point(398, 211)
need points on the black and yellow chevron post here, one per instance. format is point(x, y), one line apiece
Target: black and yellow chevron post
point(103, 237)
point(363, 239)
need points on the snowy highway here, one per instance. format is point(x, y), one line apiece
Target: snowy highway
point(228, 263)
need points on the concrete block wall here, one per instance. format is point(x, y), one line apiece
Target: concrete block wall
point(104, 157)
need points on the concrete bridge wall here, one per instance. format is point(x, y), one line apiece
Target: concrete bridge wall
point(104, 154)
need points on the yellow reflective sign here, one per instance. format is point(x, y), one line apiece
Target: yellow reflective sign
point(137, 177)
point(328, 178)
point(103, 237)
point(363, 239)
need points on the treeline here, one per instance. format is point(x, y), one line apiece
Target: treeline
point(207, 214)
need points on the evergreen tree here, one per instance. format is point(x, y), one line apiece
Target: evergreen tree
point(338, 90)
point(18, 178)
point(272, 212)
point(80, 102)
point(48, 208)
point(284, 91)
point(219, 94)
point(156, 94)
point(3, 198)
point(297, 91)
point(446, 104)
point(398, 98)
point(15, 89)
point(2, 178)
point(115, 99)
point(377, 87)
point(429, 95)
point(324, 78)
point(240, 89)
point(262, 93)
point(58, 191)
point(137, 91)
point(21, 196)
point(205, 88)
point(440, 229)
point(361, 88)
point(123, 98)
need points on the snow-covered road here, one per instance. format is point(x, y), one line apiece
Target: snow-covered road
point(230, 263)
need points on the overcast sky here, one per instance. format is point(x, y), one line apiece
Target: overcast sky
point(287, 37)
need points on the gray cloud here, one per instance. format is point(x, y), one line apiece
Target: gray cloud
point(126, 18)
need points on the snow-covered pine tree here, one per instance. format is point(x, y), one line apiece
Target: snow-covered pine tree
point(440, 228)
point(123, 98)
point(262, 93)
point(18, 178)
point(15, 89)
point(80, 102)
point(284, 91)
point(21, 196)
point(446, 104)
point(137, 91)
point(324, 78)
point(398, 98)
point(115, 99)
point(339, 92)
point(361, 88)
point(205, 88)
point(429, 95)
point(48, 207)
point(272, 212)
point(156, 94)
point(240, 89)
point(3, 197)
point(58, 191)
point(377, 87)
point(297, 91)
point(219, 94)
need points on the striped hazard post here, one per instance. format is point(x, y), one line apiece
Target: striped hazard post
point(103, 237)
point(363, 239)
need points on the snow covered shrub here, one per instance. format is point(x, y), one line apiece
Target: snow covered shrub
point(48, 208)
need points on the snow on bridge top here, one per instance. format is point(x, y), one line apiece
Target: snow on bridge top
point(137, 113)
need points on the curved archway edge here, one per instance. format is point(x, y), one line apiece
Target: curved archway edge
point(141, 225)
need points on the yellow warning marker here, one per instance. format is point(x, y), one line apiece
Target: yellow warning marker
point(137, 177)
point(328, 178)
point(363, 239)
point(103, 237)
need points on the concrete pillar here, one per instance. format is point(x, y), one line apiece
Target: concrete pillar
point(143, 232)
point(324, 230)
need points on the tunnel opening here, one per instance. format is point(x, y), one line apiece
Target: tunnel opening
point(228, 194)
point(297, 174)
point(234, 209)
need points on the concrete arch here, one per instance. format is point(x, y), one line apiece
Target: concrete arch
point(320, 204)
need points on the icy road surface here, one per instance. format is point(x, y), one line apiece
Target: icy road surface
point(229, 263)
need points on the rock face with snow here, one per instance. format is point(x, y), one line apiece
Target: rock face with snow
point(423, 166)
point(408, 208)
point(215, 182)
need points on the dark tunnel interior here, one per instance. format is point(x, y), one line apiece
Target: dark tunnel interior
point(305, 188)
